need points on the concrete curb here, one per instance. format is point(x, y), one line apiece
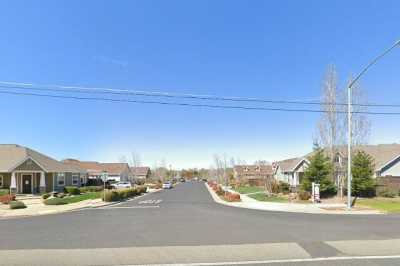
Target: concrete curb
point(273, 207)
point(51, 212)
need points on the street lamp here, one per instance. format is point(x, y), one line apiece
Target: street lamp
point(349, 112)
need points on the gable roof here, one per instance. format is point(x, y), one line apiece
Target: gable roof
point(381, 153)
point(253, 170)
point(96, 168)
point(13, 155)
point(289, 165)
point(140, 171)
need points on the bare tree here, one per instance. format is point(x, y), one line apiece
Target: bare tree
point(135, 162)
point(332, 125)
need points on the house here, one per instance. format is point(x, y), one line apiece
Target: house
point(26, 171)
point(253, 174)
point(290, 171)
point(115, 171)
point(386, 159)
point(141, 172)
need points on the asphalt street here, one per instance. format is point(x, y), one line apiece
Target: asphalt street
point(185, 217)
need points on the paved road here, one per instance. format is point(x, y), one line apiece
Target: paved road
point(186, 216)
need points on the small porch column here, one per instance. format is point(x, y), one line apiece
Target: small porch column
point(13, 185)
point(42, 183)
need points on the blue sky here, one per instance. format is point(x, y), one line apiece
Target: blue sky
point(269, 49)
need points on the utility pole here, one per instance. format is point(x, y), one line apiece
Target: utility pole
point(349, 113)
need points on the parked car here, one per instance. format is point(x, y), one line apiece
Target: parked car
point(121, 185)
point(182, 179)
point(167, 185)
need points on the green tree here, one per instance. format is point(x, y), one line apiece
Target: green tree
point(319, 171)
point(362, 170)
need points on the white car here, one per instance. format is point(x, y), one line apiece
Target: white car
point(167, 185)
point(120, 185)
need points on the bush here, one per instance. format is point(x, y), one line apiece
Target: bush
point(141, 189)
point(121, 194)
point(5, 199)
point(72, 190)
point(232, 197)
point(387, 194)
point(4, 192)
point(55, 201)
point(45, 196)
point(284, 187)
point(17, 205)
point(91, 189)
point(304, 195)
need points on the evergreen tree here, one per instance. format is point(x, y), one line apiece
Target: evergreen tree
point(362, 170)
point(319, 171)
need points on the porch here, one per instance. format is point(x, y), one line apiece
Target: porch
point(28, 182)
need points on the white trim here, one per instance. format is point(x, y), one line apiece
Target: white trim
point(389, 162)
point(77, 179)
point(299, 163)
point(57, 179)
point(22, 184)
point(24, 160)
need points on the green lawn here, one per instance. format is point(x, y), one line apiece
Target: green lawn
point(390, 205)
point(263, 197)
point(73, 199)
point(4, 192)
point(248, 189)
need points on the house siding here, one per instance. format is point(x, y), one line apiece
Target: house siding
point(28, 165)
point(393, 169)
point(6, 180)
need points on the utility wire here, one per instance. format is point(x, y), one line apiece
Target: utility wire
point(79, 89)
point(188, 104)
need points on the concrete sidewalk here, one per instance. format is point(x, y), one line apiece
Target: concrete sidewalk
point(250, 203)
point(37, 207)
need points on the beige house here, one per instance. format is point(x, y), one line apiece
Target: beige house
point(115, 171)
point(253, 174)
point(291, 170)
point(26, 171)
point(141, 172)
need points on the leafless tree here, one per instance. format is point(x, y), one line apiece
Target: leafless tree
point(332, 125)
point(135, 162)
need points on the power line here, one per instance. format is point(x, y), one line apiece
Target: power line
point(188, 104)
point(95, 90)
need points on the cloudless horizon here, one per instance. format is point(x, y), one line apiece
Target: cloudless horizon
point(267, 49)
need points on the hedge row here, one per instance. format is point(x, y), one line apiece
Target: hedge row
point(17, 205)
point(121, 194)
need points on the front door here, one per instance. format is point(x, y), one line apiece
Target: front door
point(27, 184)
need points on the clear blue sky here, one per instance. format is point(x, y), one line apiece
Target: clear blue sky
point(270, 49)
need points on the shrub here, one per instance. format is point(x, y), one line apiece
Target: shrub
point(109, 196)
point(17, 205)
point(91, 189)
point(55, 201)
point(304, 195)
point(141, 189)
point(5, 199)
point(72, 190)
point(387, 194)
point(45, 196)
point(284, 187)
point(232, 197)
point(4, 192)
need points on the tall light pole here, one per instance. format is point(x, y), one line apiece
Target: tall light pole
point(349, 114)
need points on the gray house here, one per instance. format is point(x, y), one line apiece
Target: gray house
point(25, 171)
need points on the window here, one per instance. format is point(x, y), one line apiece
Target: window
point(1, 181)
point(75, 179)
point(61, 179)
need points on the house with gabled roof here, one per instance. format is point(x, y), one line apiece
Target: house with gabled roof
point(26, 171)
point(141, 172)
point(254, 174)
point(115, 171)
point(291, 170)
